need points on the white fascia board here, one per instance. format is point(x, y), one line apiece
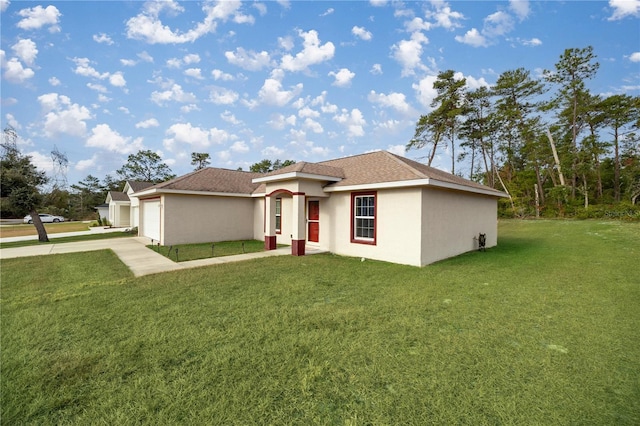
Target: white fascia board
point(160, 191)
point(414, 183)
point(296, 175)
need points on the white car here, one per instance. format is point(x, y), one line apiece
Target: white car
point(45, 218)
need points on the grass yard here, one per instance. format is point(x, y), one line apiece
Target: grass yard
point(543, 329)
point(71, 239)
point(7, 231)
point(185, 252)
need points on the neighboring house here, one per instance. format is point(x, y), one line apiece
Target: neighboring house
point(123, 211)
point(103, 211)
point(377, 205)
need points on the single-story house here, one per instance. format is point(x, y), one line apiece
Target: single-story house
point(123, 211)
point(103, 211)
point(377, 205)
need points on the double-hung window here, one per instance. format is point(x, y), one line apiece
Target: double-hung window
point(278, 215)
point(363, 225)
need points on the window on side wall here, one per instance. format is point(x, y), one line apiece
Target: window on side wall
point(363, 217)
point(278, 215)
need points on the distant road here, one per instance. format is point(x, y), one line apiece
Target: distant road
point(10, 221)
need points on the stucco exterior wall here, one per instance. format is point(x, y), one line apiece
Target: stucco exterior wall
point(258, 218)
point(198, 219)
point(397, 226)
point(451, 220)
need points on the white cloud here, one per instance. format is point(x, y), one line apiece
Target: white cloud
point(397, 149)
point(328, 12)
point(117, 79)
point(194, 73)
point(88, 164)
point(417, 24)
point(393, 100)
point(376, 69)
point(425, 93)
point(14, 71)
point(342, 78)
point(408, 53)
point(145, 57)
point(84, 69)
point(353, 121)
point(124, 110)
point(378, 3)
point(532, 42)
point(102, 38)
point(97, 87)
point(146, 124)
point(191, 58)
point(273, 151)
point(196, 137)
point(497, 24)
point(624, 8)
point(252, 61)
point(4, 4)
point(445, 17)
point(174, 94)
point(103, 137)
point(26, 51)
point(271, 93)
point(261, 8)
point(221, 75)
point(314, 126)
point(308, 112)
point(230, 118)
point(42, 162)
point(279, 121)
point(128, 62)
point(520, 8)
point(239, 147)
point(222, 96)
point(286, 43)
point(634, 57)
point(38, 17)
point(473, 38)
point(148, 27)
point(312, 53)
point(361, 33)
point(188, 108)
point(62, 116)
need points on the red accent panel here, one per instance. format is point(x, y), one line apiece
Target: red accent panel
point(270, 242)
point(375, 215)
point(297, 247)
point(314, 210)
point(313, 232)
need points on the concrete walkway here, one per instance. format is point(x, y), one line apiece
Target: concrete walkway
point(134, 253)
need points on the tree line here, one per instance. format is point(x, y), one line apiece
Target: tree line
point(566, 153)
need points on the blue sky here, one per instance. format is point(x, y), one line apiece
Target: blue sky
point(300, 80)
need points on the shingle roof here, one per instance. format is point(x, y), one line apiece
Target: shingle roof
point(139, 185)
point(365, 169)
point(309, 168)
point(118, 196)
point(383, 166)
point(213, 180)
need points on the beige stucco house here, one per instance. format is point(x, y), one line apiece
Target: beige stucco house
point(376, 205)
point(123, 210)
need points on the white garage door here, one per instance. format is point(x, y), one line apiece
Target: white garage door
point(151, 219)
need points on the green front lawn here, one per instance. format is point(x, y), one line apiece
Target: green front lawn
point(543, 329)
point(185, 252)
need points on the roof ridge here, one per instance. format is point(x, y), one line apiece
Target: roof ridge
point(404, 164)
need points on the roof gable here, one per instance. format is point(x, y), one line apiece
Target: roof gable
point(212, 179)
point(117, 196)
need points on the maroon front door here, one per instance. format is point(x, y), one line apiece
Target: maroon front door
point(314, 221)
